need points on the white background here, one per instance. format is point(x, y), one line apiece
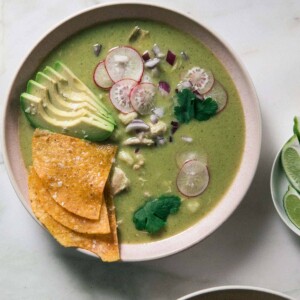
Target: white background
point(252, 248)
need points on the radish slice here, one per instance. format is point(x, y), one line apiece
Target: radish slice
point(142, 97)
point(193, 178)
point(101, 77)
point(119, 95)
point(219, 94)
point(124, 62)
point(202, 80)
point(183, 157)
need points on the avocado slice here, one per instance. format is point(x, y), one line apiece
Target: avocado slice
point(76, 83)
point(66, 98)
point(60, 102)
point(38, 90)
point(81, 127)
point(56, 104)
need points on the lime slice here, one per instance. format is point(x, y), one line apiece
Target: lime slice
point(291, 203)
point(297, 127)
point(290, 158)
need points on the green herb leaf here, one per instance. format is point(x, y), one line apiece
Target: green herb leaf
point(153, 215)
point(185, 111)
point(204, 110)
point(190, 107)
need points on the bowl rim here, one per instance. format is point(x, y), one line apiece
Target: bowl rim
point(235, 287)
point(282, 214)
point(141, 252)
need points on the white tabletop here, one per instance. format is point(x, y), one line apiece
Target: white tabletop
point(253, 247)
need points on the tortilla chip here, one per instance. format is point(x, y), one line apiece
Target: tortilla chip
point(64, 217)
point(74, 171)
point(105, 246)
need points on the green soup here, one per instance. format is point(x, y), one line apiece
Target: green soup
point(221, 137)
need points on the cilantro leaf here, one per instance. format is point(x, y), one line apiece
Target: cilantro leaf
point(152, 216)
point(185, 111)
point(204, 110)
point(190, 107)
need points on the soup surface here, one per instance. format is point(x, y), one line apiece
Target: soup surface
point(221, 137)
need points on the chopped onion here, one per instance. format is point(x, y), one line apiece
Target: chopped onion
point(160, 140)
point(164, 88)
point(187, 139)
point(159, 111)
point(184, 55)
point(151, 63)
point(157, 52)
point(154, 119)
point(200, 97)
point(184, 85)
point(97, 49)
point(146, 56)
point(171, 57)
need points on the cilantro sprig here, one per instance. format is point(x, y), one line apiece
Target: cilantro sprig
point(190, 107)
point(152, 216)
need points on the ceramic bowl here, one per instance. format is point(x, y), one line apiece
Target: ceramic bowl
point(236, 293)
point(112, 11)
point(279, 186)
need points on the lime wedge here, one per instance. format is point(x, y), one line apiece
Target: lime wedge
point(290, 158)
point(297, 127)
point(291, 203)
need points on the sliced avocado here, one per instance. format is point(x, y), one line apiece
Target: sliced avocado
point(50, 105)
point(76, 83)
point(69, 104)
point(81, 127)
point(54, 75)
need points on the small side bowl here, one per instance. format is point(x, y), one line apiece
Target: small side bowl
point(279, 186)
point(236, 292)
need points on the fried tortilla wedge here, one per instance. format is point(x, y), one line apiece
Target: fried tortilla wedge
point(64, 217)
point(105, 246)
point(74, 171)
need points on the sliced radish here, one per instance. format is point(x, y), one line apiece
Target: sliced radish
point(124, 62)
point(142, 97)
point(183, 157)
point(193, 178)
point(219, 94)
point(101, 77)
point(202, 80)
point(120, 95)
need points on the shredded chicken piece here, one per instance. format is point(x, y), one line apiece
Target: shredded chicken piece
point(119, 181)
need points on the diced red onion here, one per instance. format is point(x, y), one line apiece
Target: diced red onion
point(173, 130)
point(175, 124)
point(146, 56)
point(164, 88)
point(171, 57)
